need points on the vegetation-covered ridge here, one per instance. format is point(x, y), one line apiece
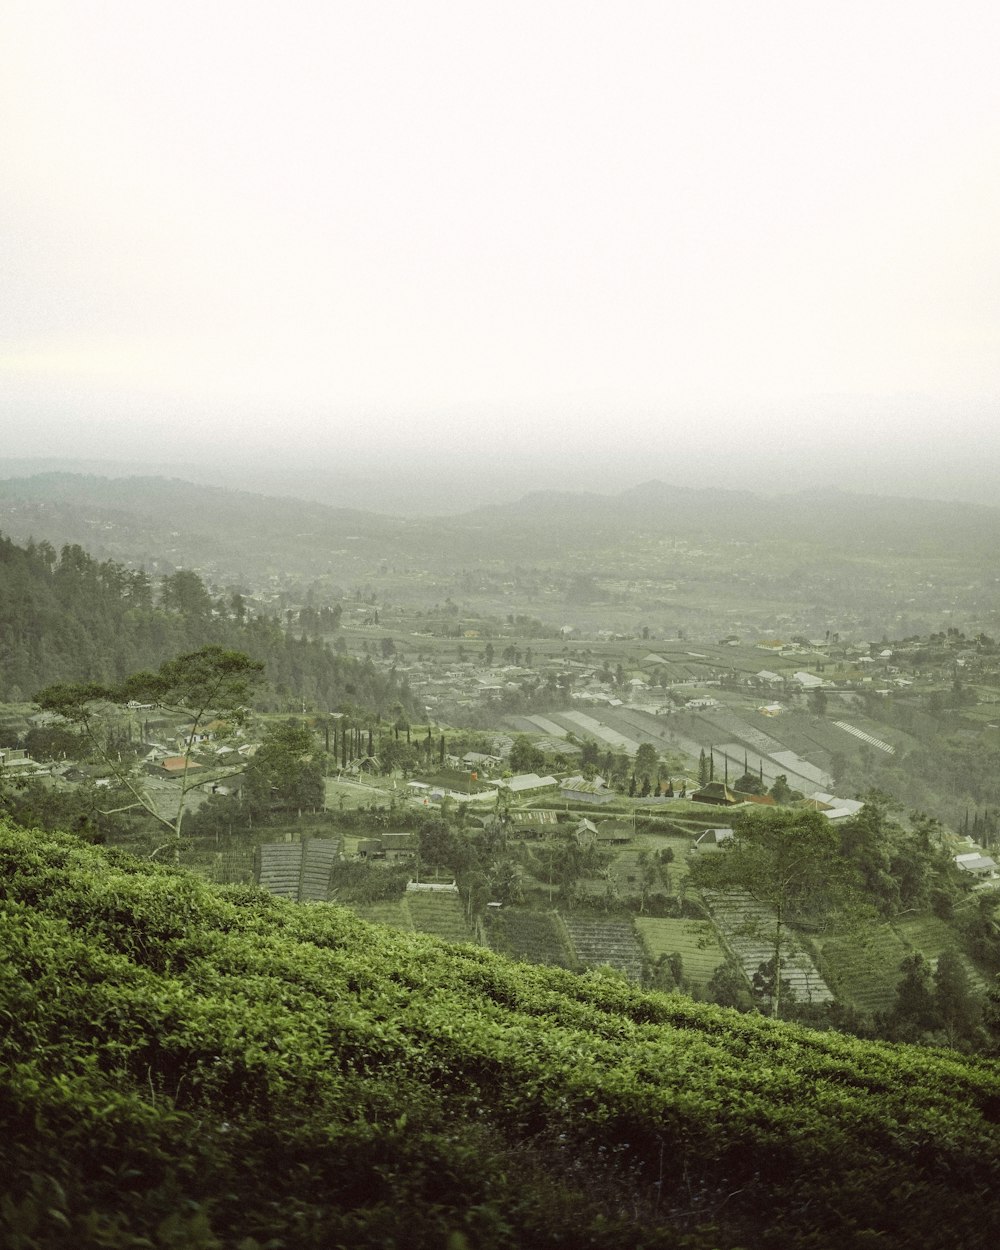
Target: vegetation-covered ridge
point(187, 1065)
point(68, 617)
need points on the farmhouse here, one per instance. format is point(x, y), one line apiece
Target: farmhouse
point(525, 783)
point(976, 863)
point(175, 765)
point(717, 792)
point(614, 833)
point(532, 824)
point(477, 760)
point(834, 808)
point(16, 758)
point(585, 833)
point(400, 845)
point(579, 790)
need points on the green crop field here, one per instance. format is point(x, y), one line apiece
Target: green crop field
point(393, 912)
point(613, 942)
point(930, 936)
point(694, 940)
point(537, 937)
point(441, 914)
point(864, 968)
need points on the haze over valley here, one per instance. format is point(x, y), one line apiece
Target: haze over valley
point(499, 625)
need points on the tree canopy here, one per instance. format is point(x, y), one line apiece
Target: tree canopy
point(210, 682)
point(788, 861)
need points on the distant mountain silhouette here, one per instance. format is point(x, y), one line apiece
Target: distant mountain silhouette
point(139, 518)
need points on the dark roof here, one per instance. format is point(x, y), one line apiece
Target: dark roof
point(716, 792)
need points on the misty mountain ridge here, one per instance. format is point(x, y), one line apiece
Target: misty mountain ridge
point(164, 522)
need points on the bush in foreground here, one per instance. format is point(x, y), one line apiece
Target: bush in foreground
point(191, 1066)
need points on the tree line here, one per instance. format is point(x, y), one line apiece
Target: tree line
point(66, 617)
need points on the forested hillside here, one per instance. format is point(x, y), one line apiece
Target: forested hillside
point(202, 1067)
point(68, 617)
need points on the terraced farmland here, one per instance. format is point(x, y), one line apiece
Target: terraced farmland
point(745, 926)
point(612, 942)
point(930, 936)
point(299, 870)
point(694, 940)
point(866, 737)
point(602, 731)
point(537, 937)
point(233, 866)
point(392, 912)
point(663, 732)
point(441, 914)
point(865, 967)
point(812, 736)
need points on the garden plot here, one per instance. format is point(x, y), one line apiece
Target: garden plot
point(530, 936)
point(612, 942)
point(298, 870)
point(746, 926)
point(865, 967)
point(392, 912)
point(675, 873)
point(439, 913)
point(691, 825)
point(742, 731)
point(775, 756)
point(808, 734)
point(659, 731)
point(694, 940)
point(866, 737)
point(233, 866)
point(930, 936)
point(795, 765)
point(601, 731)
point(546, 726)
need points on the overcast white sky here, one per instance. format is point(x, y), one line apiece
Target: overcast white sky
point(643, 236)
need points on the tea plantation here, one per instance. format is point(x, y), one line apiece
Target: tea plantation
point(188, 1065)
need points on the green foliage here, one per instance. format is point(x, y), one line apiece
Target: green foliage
point(897, 869)
point(204, 683)
point(780, 791)
point(73, 619)
point(199, 1067)
point(788, 861)
point(646, 761)
point(282, 774)
point(525, 757)
point(749, 783)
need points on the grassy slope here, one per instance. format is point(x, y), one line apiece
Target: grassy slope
point(188, 1066)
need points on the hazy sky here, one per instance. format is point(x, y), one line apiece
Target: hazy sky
point(647, 236)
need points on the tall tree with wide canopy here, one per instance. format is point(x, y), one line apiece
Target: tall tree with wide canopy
point(201, 685)
point(790, 863)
